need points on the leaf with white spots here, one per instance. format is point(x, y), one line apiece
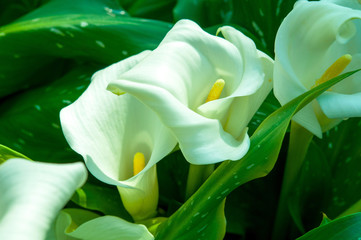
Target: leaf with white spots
point(79, 30)
point(330, 178)
point(311, 191)
point(32, 126)
point(345, 160)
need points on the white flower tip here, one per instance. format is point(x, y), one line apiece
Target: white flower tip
point(114, 89)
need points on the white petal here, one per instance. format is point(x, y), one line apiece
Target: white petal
point(252, 78)
point(202, 140)
point(344, 99)
point(187, 63)
point(107, 130)
point(336, 105)
point(243, 108)
point(355, 4)
point(253, 72)
point(175, 79)
point(68, 220)
point(32, 194)
point(308, 119)
point(304, 51)
point(141, 201)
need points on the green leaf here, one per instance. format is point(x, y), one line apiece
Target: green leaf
point(172, 176)
point(204, 12)
point(329, 179)
point(311, 190)
point(261, 18)
point(269, 105)
point(83, 30)
point(325, 219)
point(348, 227)
point(65, 7)
point(12, 9)
point(258, 162)
point(153, 9)
point(101, 198)
point(341, 147)
point(29, 121)
point(252, 206)
point(7, 153)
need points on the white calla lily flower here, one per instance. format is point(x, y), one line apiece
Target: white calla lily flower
point(32, 194)
point(204, 88)
point(316, 42)
point(110, 132)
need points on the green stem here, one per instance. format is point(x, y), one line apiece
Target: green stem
point(197, 175)
point(300, 139)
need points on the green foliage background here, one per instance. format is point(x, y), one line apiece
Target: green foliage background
point(49, 51)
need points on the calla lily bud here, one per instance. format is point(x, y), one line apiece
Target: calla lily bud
point(317, 41)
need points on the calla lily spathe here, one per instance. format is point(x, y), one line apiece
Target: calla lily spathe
point(108, 131)
point(310, 39)
point(32, 194)
point(175, 79)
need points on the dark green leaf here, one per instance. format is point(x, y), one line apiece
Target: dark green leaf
point(10, 10)
point(311, 191)
point(342, 149)
point(329, 180)
point(251, 207)
point(172, 175)
point(153, 9)
point(205, 12)
point(261, 18)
